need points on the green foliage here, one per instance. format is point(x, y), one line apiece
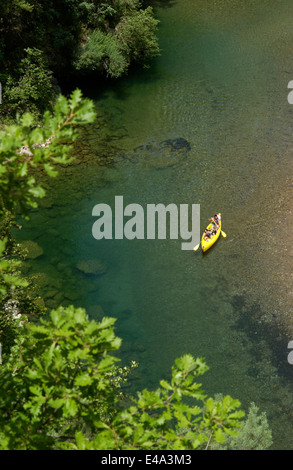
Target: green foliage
point(137, 36)
point(101, 53)
point(43, 43)
point(22, 155)
point(254, 434)
point(15, 291)
point(63, 393)
point(11, 283)
point(60, 382)
point(18, 301)
point(22, 149)
point(34, 90)
point(128, 35)
point(107, 14)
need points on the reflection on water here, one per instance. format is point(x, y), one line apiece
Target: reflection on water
point(220, 86)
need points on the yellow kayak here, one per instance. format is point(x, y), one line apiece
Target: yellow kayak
point(206, 244)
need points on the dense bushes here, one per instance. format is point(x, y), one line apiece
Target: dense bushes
point(132, 41)
point(46, 43)
point(101, 52)
point(33, 91)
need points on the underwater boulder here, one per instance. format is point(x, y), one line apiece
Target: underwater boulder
point(176, 144)
point(91, 266)
point(33, 249)
point(161, 155)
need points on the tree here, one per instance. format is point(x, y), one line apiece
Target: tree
point(34, 90)
point(18, 299)
point(53, 27)
point(254, 434)
point(60, 388)
point(47, 45)
point(137, 36)
point(101, 52)
point(124, 34)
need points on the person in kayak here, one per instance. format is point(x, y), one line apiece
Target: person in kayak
point(218, 218)
point(216, 221)
point(214, 226)
point(207, 234)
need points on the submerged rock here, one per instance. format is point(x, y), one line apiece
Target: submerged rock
point(39, 301)
point(176, 144)
point(33, 249)
point(50, 293)
point(91, 266)
point(41, 280)
point(144, 147)
point(46, 203)
point(72, 295)
point(51, 303)
point(161, 155)
point(96, 311)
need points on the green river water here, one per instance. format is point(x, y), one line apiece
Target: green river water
point(220, 84)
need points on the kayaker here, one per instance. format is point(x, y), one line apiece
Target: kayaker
point(215, 225)
point(207, 234)
point(216, 219)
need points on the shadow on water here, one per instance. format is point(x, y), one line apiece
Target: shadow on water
point(257, 331)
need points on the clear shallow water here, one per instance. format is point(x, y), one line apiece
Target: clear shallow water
point(221, 84)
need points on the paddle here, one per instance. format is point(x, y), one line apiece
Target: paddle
point(223, 233)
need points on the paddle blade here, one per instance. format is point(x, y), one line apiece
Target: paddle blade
point(196, 247)
point(223, 233)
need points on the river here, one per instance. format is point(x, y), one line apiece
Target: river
point(219, 93)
